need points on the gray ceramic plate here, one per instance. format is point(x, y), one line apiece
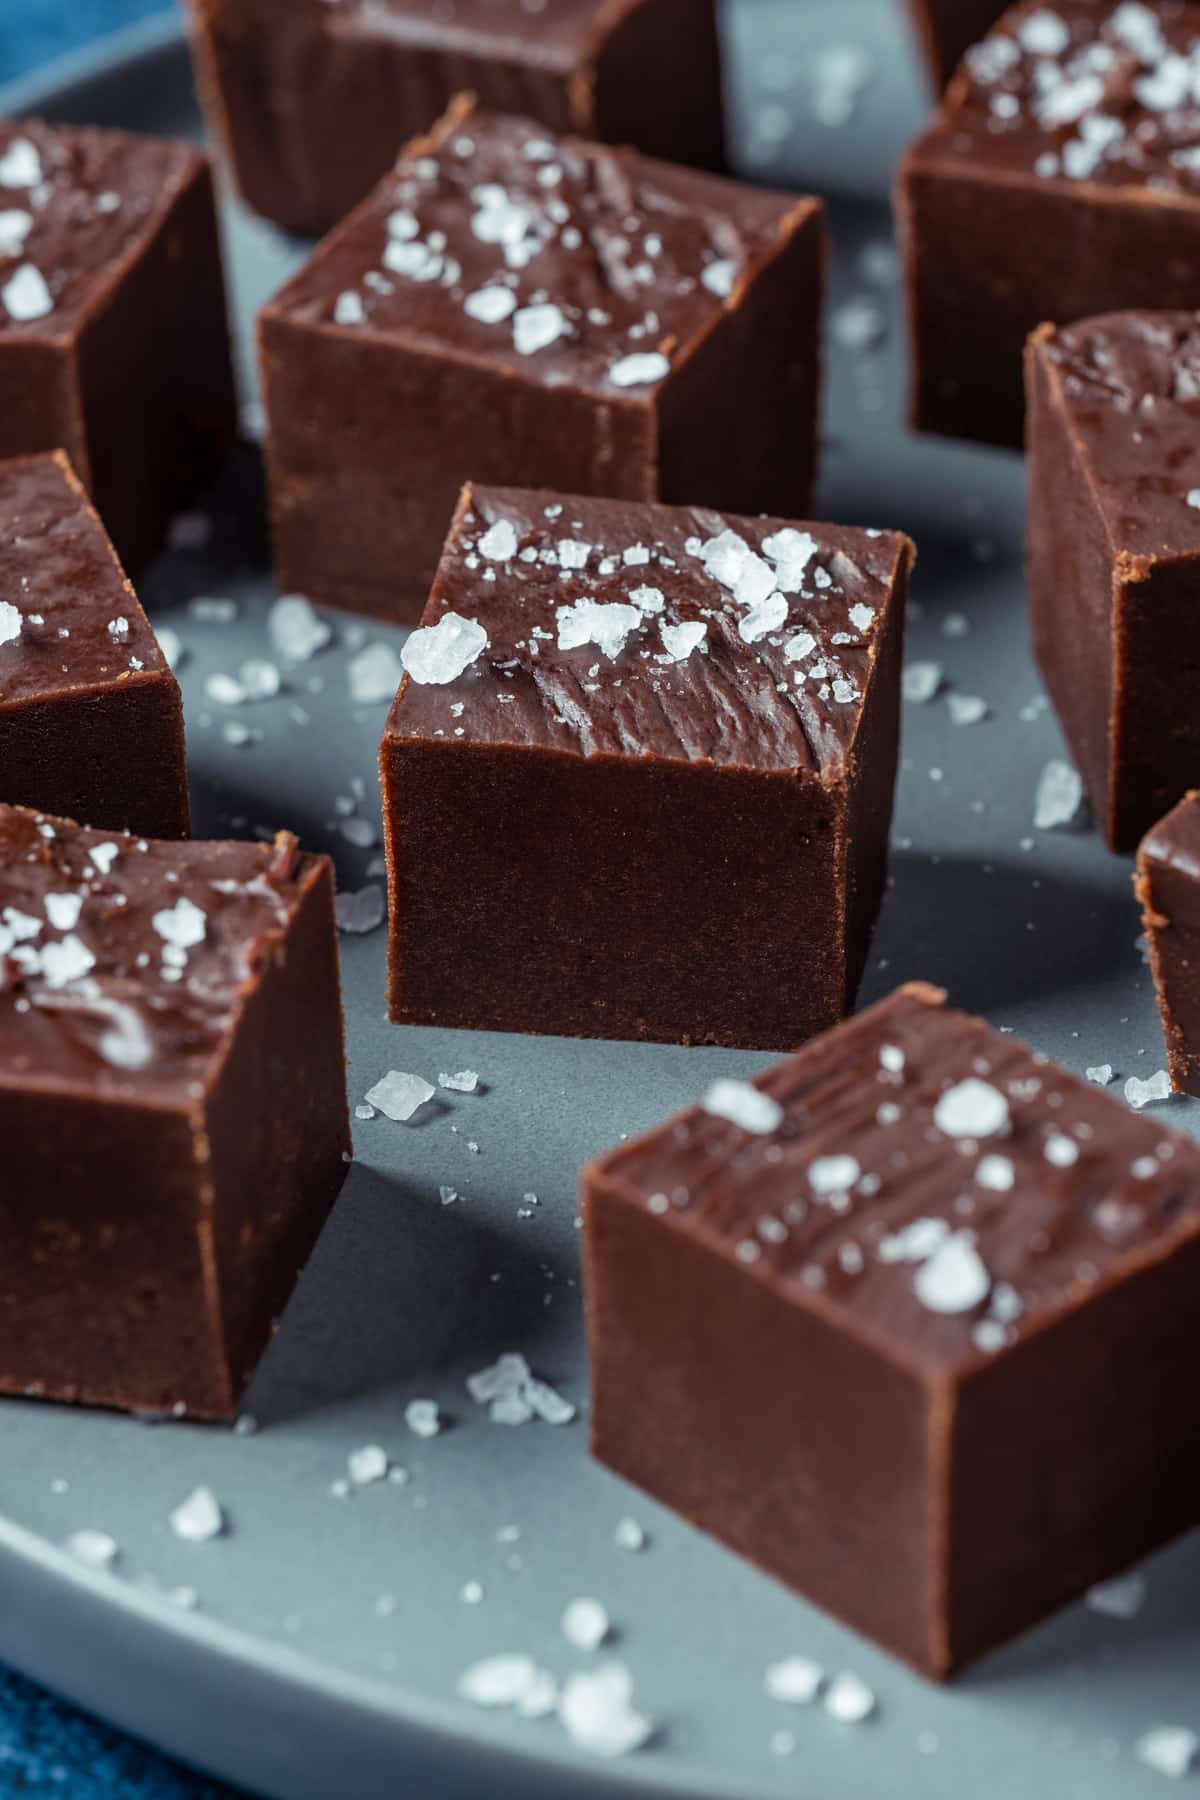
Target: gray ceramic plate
point(295, 1674)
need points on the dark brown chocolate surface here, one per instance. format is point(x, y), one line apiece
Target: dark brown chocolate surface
point(113, 341)
point(1168, 886)
point(948, 28)
point(313, 99)
point(534, 311)
point(1114, 560)
point(1060, 180)
point(91, 718)
point(846, 1340)
point(676, 730)
point(172, 1104)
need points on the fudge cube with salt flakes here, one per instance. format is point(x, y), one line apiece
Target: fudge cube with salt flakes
point(172, 1108)
point(313, 100)
point(1114, 554)
point(114, 345)
point(1059, 179)
point(948, 28)
point(533, 311)
point(908, 1323)
point(91, 717)
point(638, 778)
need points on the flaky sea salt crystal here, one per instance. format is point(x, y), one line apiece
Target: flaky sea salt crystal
point(21, 165)
point(213, 609)
point(996, 1173)
point(762, 618)
point(1121, 1598)
point(966, 709)
point(506, 1375)
point(184, 925)
point(833, 1174)
point(605, 624)
point(374, 674)
point(65, 962)
point(744, 1105)
point(537, 327)
point(95, 1548)
point(348, 309)
point(439, 654)
point(297, 631)
point(585, 1624)
point(498, 1680)
point(858, 324)
point(679, 641)
point(1102, 1074)
point(1145, 1093)
point(198, 1518)
point(361, 911)
point(398, 1096)
point(26, 296)
point(639, 370)
point(792, 552)
point(548, 1404)
point(921, 681)
point(596, 1709)
point(367, 1464)
point(629, 1535)
point(954, 1279)
point(499, 542)
point(1169, 1750)
point(796, 1680)
point(465, 1081)
point(849, 1700)
point(422, 1418)
point(1059, 802)
point(971, 1109)
point(10, 623)
point(914, 1242)
point(172, 646)
point(490, 305)
point(63, 910)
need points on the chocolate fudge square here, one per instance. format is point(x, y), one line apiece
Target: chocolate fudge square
point(91, 717)
point(113, 339)
point(948, 28)
point(172, 1108)
point(638, 779)
point(1059, 180)
point(1114, 554)
point(534, 312)
point(1168, 886)
point(904, 1323)
point(313, 101)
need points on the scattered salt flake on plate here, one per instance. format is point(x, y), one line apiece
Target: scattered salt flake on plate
point(1145, 1093)
point(971, 1109)
point(629, 1535)
point(367, 1464)
point(95, 1548)
point(471, 1593)
point(499, 1680)
point(439, 654)
point(796, 1680)
point(1122, 1598)
point(464, 1082)
point(423, 1418)
point(1168, 1749)
point(398, 1096)
point(1059, 802)
point(296, 630)
point(374, 674)
point(185, 1597)
point(967, 709)
point(858, 324)
point(596, 1709)
point(362, 910)
point(1102, 1074)
point(743, 1105)
point(848, 1699)
point(586, 1624)
point(172, 646)
point(954, 1279)
point(210, 609)
point(198, 1518)
point(921, 681)
point(549, 1405)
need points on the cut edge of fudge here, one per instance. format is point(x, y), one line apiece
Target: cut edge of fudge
point(1174, 938)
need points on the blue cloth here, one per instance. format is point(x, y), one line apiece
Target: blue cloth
point(47, 1748)
point(32, 31)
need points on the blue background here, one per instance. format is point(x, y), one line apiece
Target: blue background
point(47, 1748)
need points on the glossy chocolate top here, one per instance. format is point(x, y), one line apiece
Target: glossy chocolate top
point(1100, 91)
point(68, 617)
point(124, 962)
point(542, 30)
point(567, 261)
point(939, 1184)
point(1130, 383)
point(75, 206)
point(1175, 841)
point(610, 627)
